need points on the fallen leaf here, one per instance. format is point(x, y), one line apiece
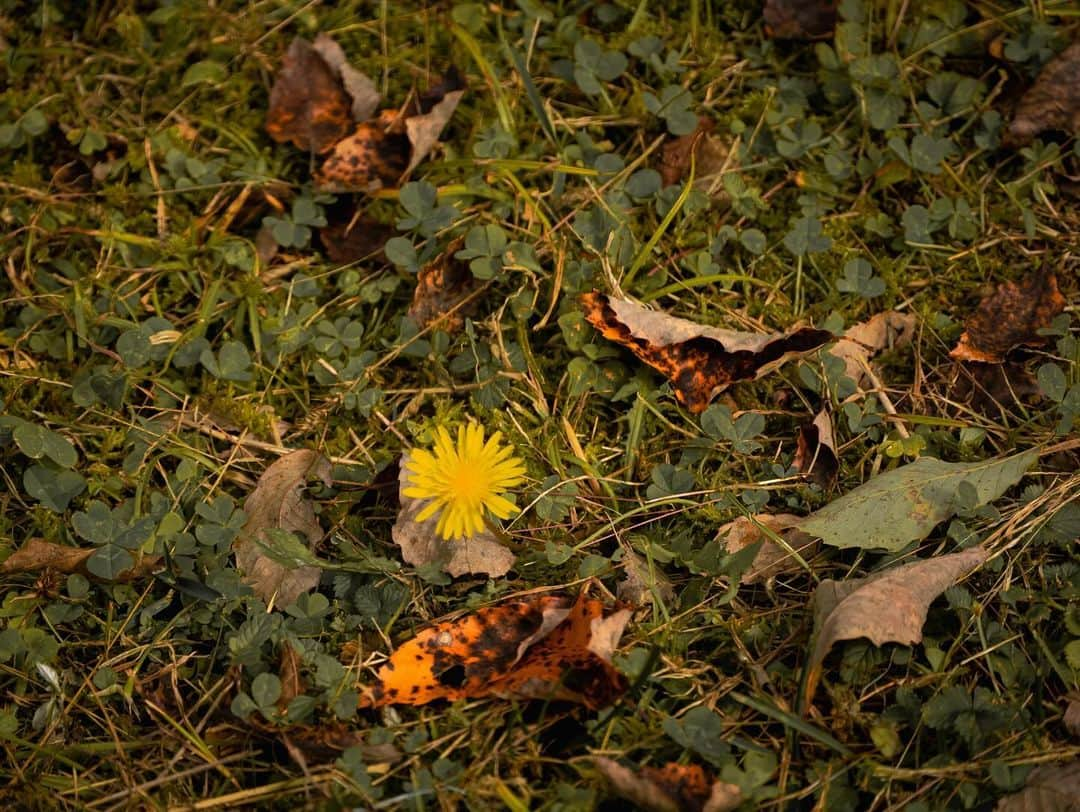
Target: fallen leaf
point(671, 788)
point(358, 85)
point(861, 342)
point(442, 285)
point(772, 558)
point(699, 361)
point(421, 546)
point(1052, 103)
point(292, 684)
point(530, 649)
point(640, 585)
point(1049, 788)
point(1071, 717)
point(278, 502)
point(37, 555)
point(327, 739)
point(903, 505)
point(799, 19)
point(308, 104)
point(382, 151)
point(815, 453)
point(888, 607)
point(375, 155)
point(709, 153)
point(1010, 318)
point(991, 388)
point(354, 238)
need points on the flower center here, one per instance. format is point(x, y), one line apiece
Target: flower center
point(468, 483)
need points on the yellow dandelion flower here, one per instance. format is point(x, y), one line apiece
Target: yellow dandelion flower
point(464, 481)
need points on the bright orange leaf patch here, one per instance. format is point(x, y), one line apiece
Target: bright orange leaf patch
point(541, 648)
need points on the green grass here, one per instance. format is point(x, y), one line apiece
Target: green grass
point(140, 323)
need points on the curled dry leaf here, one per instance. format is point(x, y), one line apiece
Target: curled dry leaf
point(1071, 717)
point(773, 558)
point(799, 19)
point(421, 546)
point(540, 648)
point(442, 285)
point(699, 361)
point(889, 607)
point(1049, 788)
point(278, 502)
point(308, 104)
point(815, 453)
point(671, 788)
point(1052, 103)
point(358, 85)
point(709, 153)
point(37, 555)
point(1010, 318)
point(861, 342)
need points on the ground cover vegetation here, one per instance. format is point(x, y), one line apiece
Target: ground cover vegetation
point(539, 405)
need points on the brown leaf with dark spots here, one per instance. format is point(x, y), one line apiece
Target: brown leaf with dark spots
point(815, 453)
point(442, 285)
point(1052, 103)
point(671, 788)
point(375, 155)
point(481, 554)
point(278, 501)
point(354, 239)
point(37, 555)
point(772, 558)
point(308, 104)
point(700, 361)
point(709, 154)
point(888, 607)
point(539, 648)
point(799, 19)
point(1010, 318)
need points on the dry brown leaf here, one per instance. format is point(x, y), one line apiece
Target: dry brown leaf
point(699, 361)
point(420, 545)
point(1009, 318)
point(815, 454)
point(352, 239)
point(671, 788)
point(292, 684)
point(278, 502)
point(539, 648)
point(861, 342)
point(1049, 788)
point(772, 559)
point(424, 130)
point(358, 85)
point(889, 607)
point(990, 389)
point(799, 19)
point(639, 584)
point(710, 155)
point(37, 555)
point(442, 285)
point(1052, 103)
point(308, 105)
point(1071, 717)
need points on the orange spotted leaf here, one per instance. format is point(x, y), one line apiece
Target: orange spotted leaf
point(1010, 318)
point(442, 286)
point(699, 361)
point(671, 788)
point(541, 648)
point(308, 104)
